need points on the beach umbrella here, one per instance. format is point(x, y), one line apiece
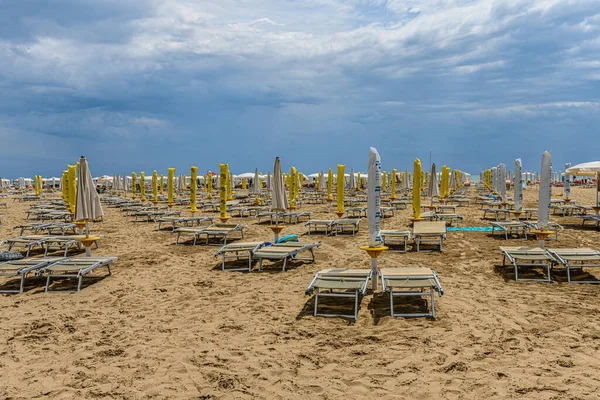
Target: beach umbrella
point(223, 189)
point(256, 183)
point(193, 188)
point(155, 186)
point(416, 195)
point(279, 201)
point(452, 180)
point(352, 182)
point(393, 182)
point(88, 207)
point(340, 189)
point(545, 192)
point(143, 185)
point(72, 179)
point(567, 187)
point(170, 186)
point(584, 169)
point(329, 187)
point(133, 184)
point(502, 181)
point(433, 189)
point(322, 183)
point(373, 208)
point(518, 186)
point(269, 181)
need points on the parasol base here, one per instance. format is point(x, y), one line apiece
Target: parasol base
point(516, 213)
point(504, 204)
point(170, 205)
point(416, 219)
point(339, 214)
point(155, 202)
point(542, 235)
point(374, 252)
point(225, 219)
point(567, 200)
point(431, 208)
point(193, 210)
point(292, 207)
point(277, 230)
point(596, 208)
point(144, 198)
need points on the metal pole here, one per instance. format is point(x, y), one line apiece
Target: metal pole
point(374, 273)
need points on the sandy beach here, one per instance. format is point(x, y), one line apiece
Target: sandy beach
point(170, 324)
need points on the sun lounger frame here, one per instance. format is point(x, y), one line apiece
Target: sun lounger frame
point(89, 265)
point(412, 290)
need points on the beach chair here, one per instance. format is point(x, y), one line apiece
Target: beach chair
point(25, 242)
point(356, 212)
point(446, 209)
point(450, 219)
point(241, 251)
point(395, 237)
point(576, 259)
point(21, 268)
point(429, 232)
point(527, 257)
point(294, 217)
point(66, 242)
point(594, 218)
point(387, 212)
point(344, 224)
point(176, 222)
point(410, 281)
point(496, 212)
point(75, 267)
point(284, 252)
point(510, 228)
point(211, 231)
point(319, 225)
point(339, 282)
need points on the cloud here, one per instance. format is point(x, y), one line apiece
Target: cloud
point(265, 73)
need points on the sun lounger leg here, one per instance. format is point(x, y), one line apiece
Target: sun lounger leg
point(432, 303)
point(356, 305)
point(79, 283)
point(22, 283)
point(316, 301)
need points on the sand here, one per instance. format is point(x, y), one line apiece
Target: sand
point(169, 324)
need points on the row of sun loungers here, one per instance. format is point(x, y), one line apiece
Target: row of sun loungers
point(353, 283)
point(521, 229)
point(55, 268)
point(548, 259)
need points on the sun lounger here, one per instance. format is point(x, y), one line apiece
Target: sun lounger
point(429, 232)
point(319, 225)
point(356, 212)
point(410, 281)
point(594, 218)
point(284, 252)
point(26, 242)
point(576, 259)
point(340, 225)
point(241, 251)
point(387, 212)
point(399, 204)
point(529, 257)
point(75, 267)
point(211, 231)
point(510, 228)
point(496, 212)
point(395, 237)
point(450, 218)
point(21, 268)
point(65, 243)
point(551, 226)
point(3, 204)
point(446, 209)
point(566, 209)
point(339, 282)
point(177, 222)
point(294, 217)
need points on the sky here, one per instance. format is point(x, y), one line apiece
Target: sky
point(138, 85)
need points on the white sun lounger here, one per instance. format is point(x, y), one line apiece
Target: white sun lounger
point(318, 225)
point(26, 242)
point(356, 212)
point(177, 222)
point(339, 282)
point(410, 281)
point(450, 218)
point(21, 268)
point(395, 237)
point(552, 226)
point(284, 252)
point(211, 231)
point(510, 228)
point(346, 223)
point(241, 251)
point(75, 267)
point(529, 257)
point(429, 232)
point(576, 259)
